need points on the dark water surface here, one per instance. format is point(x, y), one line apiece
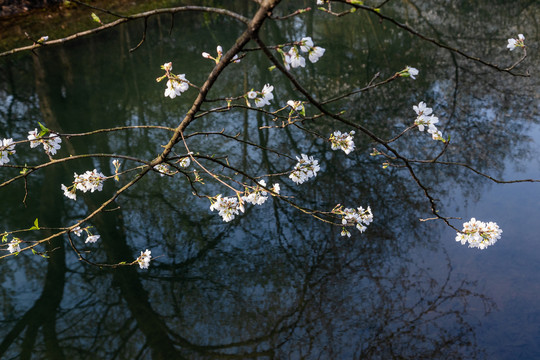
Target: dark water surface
point(276, 283)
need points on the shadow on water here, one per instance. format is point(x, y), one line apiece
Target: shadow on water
point(273, 283)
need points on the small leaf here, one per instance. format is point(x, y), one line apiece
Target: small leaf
point(44, 130)
point(34, 251)
point(96, 18)
point(36, 225)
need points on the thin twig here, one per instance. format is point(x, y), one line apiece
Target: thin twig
point(143, 37)
point(131, 18)
point(431, 40)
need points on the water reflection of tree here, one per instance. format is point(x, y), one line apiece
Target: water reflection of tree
point(287, 289)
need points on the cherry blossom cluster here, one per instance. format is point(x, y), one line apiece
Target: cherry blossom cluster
point(227, 207)
point(306, 168)
point(479, 234)
point(51, 143)
point(258, 195)
point(89, 181)
point(164, 169)
point(14, 245)
point(144, 259)
point(293, 58)
point(6, 148)
point(176, 84)
point(514, 43)
point(262, 97)
point(359, 218)
point(342, 141)
point(424, 118)
point(90, 238)
point(219, 49)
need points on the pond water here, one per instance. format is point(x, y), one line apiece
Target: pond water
point(275, 282)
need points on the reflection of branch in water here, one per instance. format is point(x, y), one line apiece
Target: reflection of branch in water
point(44, 311)
point(438, 43)
point(131, 18)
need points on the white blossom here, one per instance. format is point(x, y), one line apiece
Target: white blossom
point(422, 109)
point(219, 49)
point(144, 259)
point(424, 118)
point(89, 181)
point(294, 59)
point(176, 86)
point(227, 207)
point(92, 239)
point(13, 246)
point(436, 134)
point(69, 192)
point(33, 136)
point(428, 121)
point(261, 101)
point(306, 168)
point(306, 44)
point(167, 66)
point(296, 105)
point(359, 218)
point(267, 92)
point(6, 148)
point(276, 188)
point(50, 144)
point(77, 230)
point(263, 97)
point(258, 196)
point(479, 234)
point(236, 59)
point(410, 71)
point(342, 141)
point(116, 163)
point(184, 162)
point(513, 43)
point(314, 52)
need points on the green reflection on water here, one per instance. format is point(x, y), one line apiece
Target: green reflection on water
point(273, 283)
